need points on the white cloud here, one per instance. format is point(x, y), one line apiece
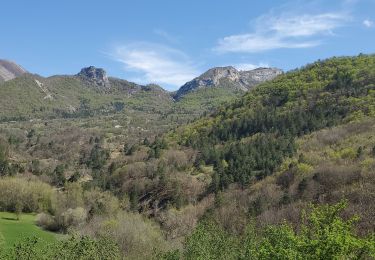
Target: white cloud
point(165, 35)
point(250, 66)
point(156, 63)
point(283, 31)
point(368, 23)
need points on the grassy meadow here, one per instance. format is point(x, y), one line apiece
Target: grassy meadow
point(13, 230)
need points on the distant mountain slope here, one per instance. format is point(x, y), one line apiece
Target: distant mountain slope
point(88, 93)
point(228, 77)
point(92, 92)
point(10, 70)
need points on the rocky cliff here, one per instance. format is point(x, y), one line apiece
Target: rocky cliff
point(228, 77)
point(95, 76)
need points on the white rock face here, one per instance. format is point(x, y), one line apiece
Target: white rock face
point(242, 80)
point(10, 70)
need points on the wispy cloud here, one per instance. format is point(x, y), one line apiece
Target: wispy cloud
point(283, 31)
point(166, 36)
point(368, 23)
point(154, 63)
point(250, 66)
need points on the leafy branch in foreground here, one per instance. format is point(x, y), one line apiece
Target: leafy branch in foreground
point(324, 234)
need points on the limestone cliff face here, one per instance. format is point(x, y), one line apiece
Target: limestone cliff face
point(95, 76)
point(242, 80)
point(10, 70)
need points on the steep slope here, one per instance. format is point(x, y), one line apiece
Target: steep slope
point(10, 70)
point(228, 77)
point(329, 165)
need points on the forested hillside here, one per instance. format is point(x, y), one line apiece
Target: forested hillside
point(253, 135)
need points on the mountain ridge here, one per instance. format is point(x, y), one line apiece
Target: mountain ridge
point(92, 75)
point(238, 79)
point(33, 96)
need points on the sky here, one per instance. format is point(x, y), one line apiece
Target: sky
point(169, 42)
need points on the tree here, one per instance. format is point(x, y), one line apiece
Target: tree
point(58, 176)
point(209, 241)
point(18, 209)
point(98, 157)
point(4, 152)
point(146, 142)
point(84, 106)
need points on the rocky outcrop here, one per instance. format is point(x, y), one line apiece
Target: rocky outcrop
point(10, 70)
point(249, 78)
point(95, 76)
point(228, 77)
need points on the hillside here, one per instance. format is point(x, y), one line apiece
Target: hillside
point(31, 96)
point(252, 138)
point(320, 95)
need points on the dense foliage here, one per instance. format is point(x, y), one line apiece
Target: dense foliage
point(323, 235)
point(83, 248)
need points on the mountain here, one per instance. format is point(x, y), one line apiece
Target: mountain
point(10, 70)
point(32, 96)
point(228, 77)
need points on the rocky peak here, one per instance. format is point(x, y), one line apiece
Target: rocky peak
point(242, 80)
point(95, 76)
point(214, 75)
point(10, 70)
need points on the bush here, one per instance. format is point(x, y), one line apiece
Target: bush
point(101, 203)
point(72, 218)
point(46, 221)
point(62, 221)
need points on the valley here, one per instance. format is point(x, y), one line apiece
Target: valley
point(195, 173)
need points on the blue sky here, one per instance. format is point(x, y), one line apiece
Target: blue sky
point(169, 42)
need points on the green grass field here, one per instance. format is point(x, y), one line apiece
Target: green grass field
point(13, 230)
